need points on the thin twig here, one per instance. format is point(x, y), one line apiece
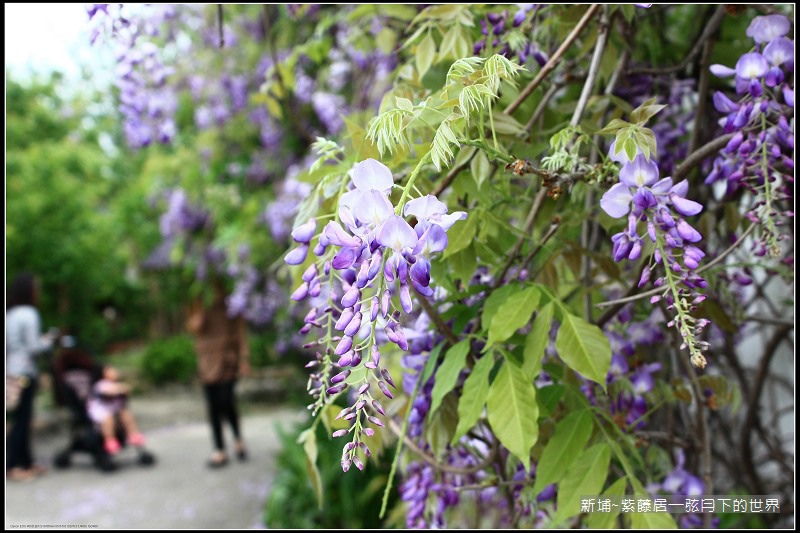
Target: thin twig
point(221, 22)
point(594, 68)
point(752, 408)
point(441, 325)
point(554, 59)
point(410, 444)
point(588, 89)
point(699, 155)
point(451, 176)
point(709, 28)
point(537, 204)
point(550, 232)
point(541, 107)
point(702, 92)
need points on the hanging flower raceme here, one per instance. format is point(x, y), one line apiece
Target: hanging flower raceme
point(368, 260)
point(655, 209)
point(760, 155)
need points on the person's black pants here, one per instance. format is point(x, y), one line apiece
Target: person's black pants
point(18, 442)
point(221, 401)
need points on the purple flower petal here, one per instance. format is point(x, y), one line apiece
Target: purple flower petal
point(722, 71)
point(687, 232)
point(751, 66)
point(396, 233)
point(766, 28)
point(639, 173)
point(372, 175)
point(433, 240)
point(304, 232)
point(724, 104)
point(685, 207)
point(297, 256)
point(339, 237)
point(779, 51)
point(617, 201)
point(425, 207)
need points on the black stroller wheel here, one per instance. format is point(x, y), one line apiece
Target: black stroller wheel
point(63, 460)
point(146, 458)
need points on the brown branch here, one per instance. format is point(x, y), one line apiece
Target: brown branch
point(750, 420)
point(437, 319)
point(410, 444)
point(699, 155)
point(553, 61)
point(451, 176)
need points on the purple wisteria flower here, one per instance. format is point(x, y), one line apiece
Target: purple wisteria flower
point(760, 155)
point(655, 209)
point(376, 257)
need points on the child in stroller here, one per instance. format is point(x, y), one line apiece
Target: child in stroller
point(96, 399)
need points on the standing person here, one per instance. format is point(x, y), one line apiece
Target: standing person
point(24, 342)
point(223, 357)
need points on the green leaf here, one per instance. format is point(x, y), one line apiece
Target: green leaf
point(507, 125)
point(476, 389)
point(562, 450)
point(613, 127)
point(448, 372)
point(494, 301)
point(513, 412)
point(461, 235)
point(404, 104)
point(548, 398)
point(430, 364)
point(644, 112)
point(513, 314)
point(585, 478)
point(463, 264)
point(309, 440)
point(536, 342)
point(630, 148)
point(654, 521)
point(386, 40)
point(480, 167)
point(584, 348)
point(426, 51)
point(608, 520)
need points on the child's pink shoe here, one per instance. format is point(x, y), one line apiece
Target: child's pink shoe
point(136, 439)
point(112, 446)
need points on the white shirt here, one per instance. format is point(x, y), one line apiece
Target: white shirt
point(24, 340)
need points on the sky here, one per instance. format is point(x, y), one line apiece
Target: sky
point(44, 37)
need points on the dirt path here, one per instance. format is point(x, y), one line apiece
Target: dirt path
point(178, 492)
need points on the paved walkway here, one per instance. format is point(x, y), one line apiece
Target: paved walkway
point(178, 492)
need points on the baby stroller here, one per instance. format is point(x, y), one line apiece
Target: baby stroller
point(75, 372)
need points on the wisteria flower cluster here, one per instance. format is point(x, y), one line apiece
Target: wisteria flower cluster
point(372, 248)
point(661, 206)
point(760, 155)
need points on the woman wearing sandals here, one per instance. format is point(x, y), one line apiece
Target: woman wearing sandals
point(222, 358)
point(24, 342)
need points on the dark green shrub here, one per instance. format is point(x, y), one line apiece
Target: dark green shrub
point(351, 500)
point(170, 360)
